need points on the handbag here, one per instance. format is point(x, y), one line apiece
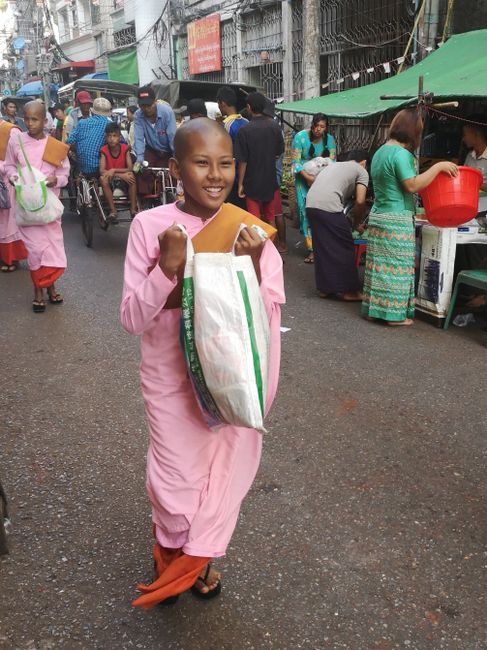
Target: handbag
point(225, 337)
point(35, 204)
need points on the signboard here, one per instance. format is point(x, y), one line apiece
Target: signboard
point(204, 45)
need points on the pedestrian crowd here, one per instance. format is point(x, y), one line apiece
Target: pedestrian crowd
point(228, 173)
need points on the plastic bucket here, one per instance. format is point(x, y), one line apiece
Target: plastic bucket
point(450, 201)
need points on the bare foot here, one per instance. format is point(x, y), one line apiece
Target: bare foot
point(310, 259)
point(401, 323)
point(212, 581)
point(355, 296)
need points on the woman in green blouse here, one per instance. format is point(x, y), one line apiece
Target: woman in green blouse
point(389, 267)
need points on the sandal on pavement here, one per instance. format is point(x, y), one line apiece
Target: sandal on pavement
point(38, 306)
point(310, 259)
point(8, 268)
point(56, 299)
point(213, 593)
point(113, 218)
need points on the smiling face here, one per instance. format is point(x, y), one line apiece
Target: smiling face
point(206, 167)
point(35, 119)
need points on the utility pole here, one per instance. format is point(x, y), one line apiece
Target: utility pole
point(44, 64)
point(311, 50)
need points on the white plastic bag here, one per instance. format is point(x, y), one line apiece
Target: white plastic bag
point(316, 165)
point(225, 337)
point(35, 205)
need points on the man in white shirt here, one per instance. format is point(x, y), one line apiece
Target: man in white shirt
point(475, 139)
point(474, 256)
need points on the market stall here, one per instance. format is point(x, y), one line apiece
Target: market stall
point(455, 72)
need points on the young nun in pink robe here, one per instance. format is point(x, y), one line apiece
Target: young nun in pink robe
point(45, 243)
point(196, 478)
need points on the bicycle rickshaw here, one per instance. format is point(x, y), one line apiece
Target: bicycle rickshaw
point(91, 205)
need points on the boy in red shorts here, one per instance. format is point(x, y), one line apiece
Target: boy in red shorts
point(116, 171)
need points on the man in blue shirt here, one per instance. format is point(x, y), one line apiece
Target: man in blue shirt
point(89, 136)
point(155, 128)
point(233, 121)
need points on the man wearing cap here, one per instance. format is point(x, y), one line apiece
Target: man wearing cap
point(89, 136)
point(155, 128)
point(81, 112)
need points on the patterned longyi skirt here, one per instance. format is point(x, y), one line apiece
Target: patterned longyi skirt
point(389, 267)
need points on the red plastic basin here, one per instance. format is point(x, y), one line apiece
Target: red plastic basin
point(450, 201)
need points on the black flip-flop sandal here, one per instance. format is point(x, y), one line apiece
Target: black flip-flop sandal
point(56, 299)
point(8, 268)
point(38, 306)
point(213, 593)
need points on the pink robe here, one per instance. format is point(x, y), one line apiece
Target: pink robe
point(196, 478)
point(9, 231)
point(45, 244)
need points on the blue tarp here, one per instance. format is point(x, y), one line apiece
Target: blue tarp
point(95, 75)
point(33, 89)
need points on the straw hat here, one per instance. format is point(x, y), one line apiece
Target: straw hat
point(102, 106)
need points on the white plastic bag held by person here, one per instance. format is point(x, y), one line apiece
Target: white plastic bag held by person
point(35, 204)
point(225, 337)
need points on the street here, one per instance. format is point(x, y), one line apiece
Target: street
point(366, 525)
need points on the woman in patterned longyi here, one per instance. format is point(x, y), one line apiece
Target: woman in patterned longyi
point(389, 267)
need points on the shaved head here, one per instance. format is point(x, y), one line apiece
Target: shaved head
point(199, 128)
point(36, 108)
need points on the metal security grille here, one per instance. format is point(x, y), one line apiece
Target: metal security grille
point(361, 34)
point(125, 36)
point(229, 51)
point(297, 29)
point(261, 36)
point(271, 79)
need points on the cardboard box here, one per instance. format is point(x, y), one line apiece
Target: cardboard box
point(436, 270)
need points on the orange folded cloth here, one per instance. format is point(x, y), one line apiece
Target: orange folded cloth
point(5, 130)
point(55, 152)
point(44, 276)
point(176, 571)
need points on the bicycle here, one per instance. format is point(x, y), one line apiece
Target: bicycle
point(86, 200)
point(89, 200)
point(165, 190)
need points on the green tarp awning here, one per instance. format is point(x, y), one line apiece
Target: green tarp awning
point(122, 66)
point(457, 69)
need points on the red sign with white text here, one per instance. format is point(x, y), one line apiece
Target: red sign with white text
point(204, 45)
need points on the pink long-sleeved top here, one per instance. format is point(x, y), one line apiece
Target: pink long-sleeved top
point(45, 243)
point(196, 478)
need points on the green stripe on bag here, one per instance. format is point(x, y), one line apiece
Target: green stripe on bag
point(191, 353)
point(253, 342)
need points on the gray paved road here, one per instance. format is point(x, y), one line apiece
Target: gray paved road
point(365, 528)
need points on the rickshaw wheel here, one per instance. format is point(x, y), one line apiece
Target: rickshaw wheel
point(86, 214)
point(102, 220)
